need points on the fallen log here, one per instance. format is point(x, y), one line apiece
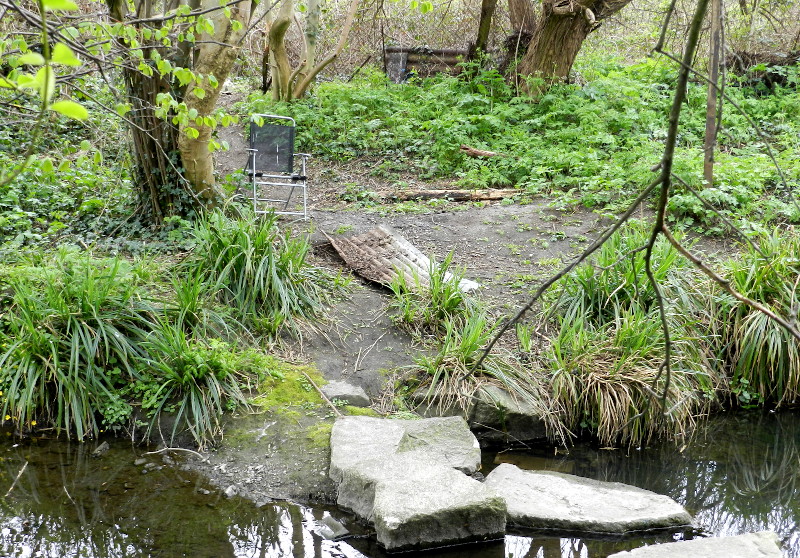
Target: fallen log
point(474, 152)
point(454, 195)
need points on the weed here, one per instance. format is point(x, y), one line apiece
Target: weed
point(425, 304)
point(763, 357)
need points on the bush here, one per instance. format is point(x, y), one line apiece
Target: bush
point(607, 357)
point(762, 356)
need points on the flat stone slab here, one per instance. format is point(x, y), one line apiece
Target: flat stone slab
point(752, 545)
point(407, 478)
point(416, 501)
point(557, 501)
point(356, 440)
point(350, 394)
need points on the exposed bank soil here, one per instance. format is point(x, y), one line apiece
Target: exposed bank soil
point(505, 247)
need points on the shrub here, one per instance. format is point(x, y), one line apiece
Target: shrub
point(607, 356)
point(193, 380)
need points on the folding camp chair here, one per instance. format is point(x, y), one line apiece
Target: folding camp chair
point(270, 166)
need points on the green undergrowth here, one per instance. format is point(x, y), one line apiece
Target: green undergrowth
point(91, 343)
point(592, 144)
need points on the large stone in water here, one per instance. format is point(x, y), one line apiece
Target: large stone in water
point(355, 440)
point(406, 477)
point(498, 417)
point(419, 501)
point(752, 545)
point(495, 416)
point(550, 500)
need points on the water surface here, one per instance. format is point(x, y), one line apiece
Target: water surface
point(740, 475)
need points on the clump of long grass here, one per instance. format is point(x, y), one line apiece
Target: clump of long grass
point(72, 337)
point(611, 383)
point(607, 357)
point(193, 380)
point(83, 343)
point(263, 274)
point(425, 305)
point(457, 328)
point(763, 358)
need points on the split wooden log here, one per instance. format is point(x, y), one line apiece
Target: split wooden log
point(473, 152)
point(454, 195)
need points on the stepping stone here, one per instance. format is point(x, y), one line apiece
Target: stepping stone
point(407, 478)
point(359, 439)
point(557, 501)
point(416, 501)
point(350, 394)
point(752, 545)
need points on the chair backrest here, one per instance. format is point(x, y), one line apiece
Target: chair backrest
point(274, 145)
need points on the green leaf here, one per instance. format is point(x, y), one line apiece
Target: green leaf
point(122, 108)
point(199, 92)
point(70, 109)
point(62, 54)
point(27, 81)
point(7, 84)
point(192, 133)
point(66, 5)
point(193, 113)
point(426, 7)
point(32, 59)
point(46, 81)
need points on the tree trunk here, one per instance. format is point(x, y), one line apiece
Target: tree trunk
point(155, 140)
point(559, 34)
point(715, 49)
point(215, 57)
point(522, 16)
point(484, 26)
point(279, 57)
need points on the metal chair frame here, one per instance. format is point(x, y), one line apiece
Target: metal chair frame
point(271, 179)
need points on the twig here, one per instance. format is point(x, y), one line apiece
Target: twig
point(325, 397)
point(577, 261)
point(666, 179)
point(203, 458)
point(13, 484)
point(726, 285)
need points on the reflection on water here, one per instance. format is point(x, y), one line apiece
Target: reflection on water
point(739, 476)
